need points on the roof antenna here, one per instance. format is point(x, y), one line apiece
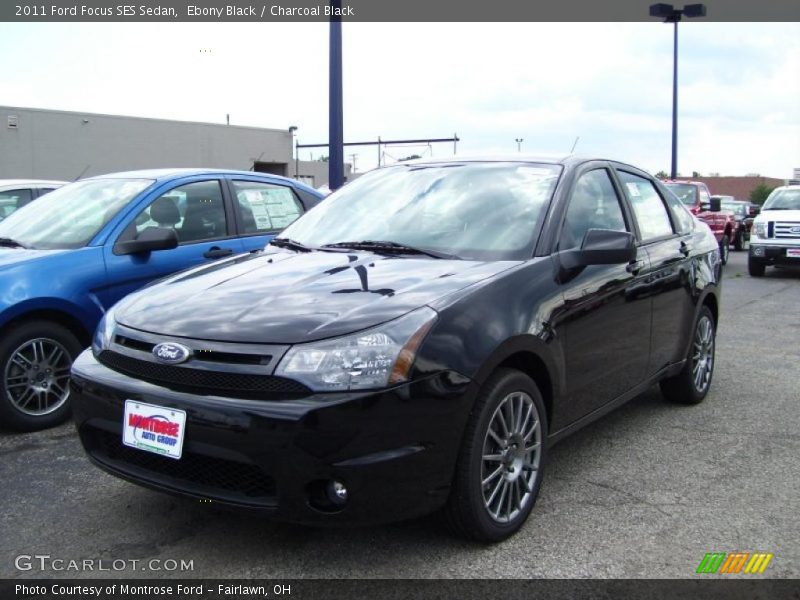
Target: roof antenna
point(82, 172)
point(575, 144)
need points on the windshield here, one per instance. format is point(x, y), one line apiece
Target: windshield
point(785, 199)
point(684, 191)
point(481, 211)
point(71, 216)
point(735, 208)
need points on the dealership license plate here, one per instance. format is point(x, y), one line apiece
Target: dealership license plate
point(154, 428)
point(793, 252)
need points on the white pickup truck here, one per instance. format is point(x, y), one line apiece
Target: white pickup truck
point(775, 235)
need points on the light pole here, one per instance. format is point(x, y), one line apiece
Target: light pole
point(670, 14)
point(335, 118)
point(293, 131)
point(519, 144)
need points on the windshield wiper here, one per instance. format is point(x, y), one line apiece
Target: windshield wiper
point(290, 244)
point(11, 243)
point(391, 247)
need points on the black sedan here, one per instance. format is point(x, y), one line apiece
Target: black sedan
point(416, 342)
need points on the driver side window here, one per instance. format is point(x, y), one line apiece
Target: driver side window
point(593, 205)
point(196, 211)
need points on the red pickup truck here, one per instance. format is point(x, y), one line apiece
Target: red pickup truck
point(697, 198)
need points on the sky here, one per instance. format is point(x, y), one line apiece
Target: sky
point(607, 85)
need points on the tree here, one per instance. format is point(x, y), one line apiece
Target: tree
point(323, 159)
point(759, 193)
point(662, 175)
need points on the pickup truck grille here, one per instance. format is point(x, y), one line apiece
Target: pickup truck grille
point(787, 230)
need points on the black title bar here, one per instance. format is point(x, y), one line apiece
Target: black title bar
point(379, 10)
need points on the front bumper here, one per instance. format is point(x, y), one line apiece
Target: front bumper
point(774, 253)
point(395, 449)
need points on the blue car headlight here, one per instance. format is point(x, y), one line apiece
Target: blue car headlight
point(104, 334)
point(371, 359)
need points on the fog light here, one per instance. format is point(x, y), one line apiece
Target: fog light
point(758, 251)
point(337, 492)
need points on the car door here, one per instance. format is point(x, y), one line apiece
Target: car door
point(202, 218)
point(606, 319)
point(666, 234)
point(262, 210)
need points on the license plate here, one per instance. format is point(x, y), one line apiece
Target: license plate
point(793, 252)
point(154, 428)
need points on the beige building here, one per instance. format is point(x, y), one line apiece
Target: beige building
point(54, 144)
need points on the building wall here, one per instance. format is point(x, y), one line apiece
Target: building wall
point(49, 144)
point(738, 187)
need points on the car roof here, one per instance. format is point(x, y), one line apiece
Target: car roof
point(548, 159)
point(161, 175)
point(8, 182)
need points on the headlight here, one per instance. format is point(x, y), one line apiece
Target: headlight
point(104, 332)
point(375, 358)
point(760, 229)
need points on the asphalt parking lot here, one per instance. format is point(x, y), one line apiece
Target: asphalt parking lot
point(644, 492)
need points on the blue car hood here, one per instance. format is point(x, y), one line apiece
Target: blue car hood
point(16, 256)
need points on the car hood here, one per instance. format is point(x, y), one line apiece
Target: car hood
point(15, 256)
point(287, 298)
point(779, 215)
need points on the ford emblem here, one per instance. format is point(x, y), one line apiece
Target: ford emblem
point(795, 229)
point(171, 353)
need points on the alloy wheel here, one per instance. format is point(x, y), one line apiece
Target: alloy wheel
point(703, 354)
point(511, 457)
point(36, 377)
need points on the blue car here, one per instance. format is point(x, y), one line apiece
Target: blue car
point(71, 254)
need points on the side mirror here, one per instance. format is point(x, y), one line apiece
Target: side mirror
point(715, 205)
point(152, 238)
point(601, 247)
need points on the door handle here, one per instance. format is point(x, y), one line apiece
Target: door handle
point(685, 248)
point(635, 266)
point(217, 252)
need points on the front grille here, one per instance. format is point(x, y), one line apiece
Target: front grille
point(208, 475)
point(199, 381)
point(234, 358)
point(784, 230)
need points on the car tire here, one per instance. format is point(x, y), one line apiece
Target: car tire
point(479, 508)
point(755, 267)
point(35, 359)
point(724, 249)
point(691, 385)
point(738, 242)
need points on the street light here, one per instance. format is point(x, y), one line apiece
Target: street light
point(519, 144)
point(293, 132)
point(670, 14)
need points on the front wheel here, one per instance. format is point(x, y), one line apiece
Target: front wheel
point(755, 267)
point(502, 458)
point(35, 362)
point(724, 249)
point(739, 241)
point(691, 385)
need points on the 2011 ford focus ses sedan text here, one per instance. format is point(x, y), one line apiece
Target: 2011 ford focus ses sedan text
point(415, 342)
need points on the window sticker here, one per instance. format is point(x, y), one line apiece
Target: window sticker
point(633, 189)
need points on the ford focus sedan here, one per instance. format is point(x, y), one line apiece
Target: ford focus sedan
point(415, 343)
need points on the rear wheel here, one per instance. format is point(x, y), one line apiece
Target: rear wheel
point(500, 467)
point(35, 362)
point(724, 248)
point(755, 267)
point(691, 385)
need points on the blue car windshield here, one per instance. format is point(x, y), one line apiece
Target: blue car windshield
point(474, 211)
point(70, 216)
